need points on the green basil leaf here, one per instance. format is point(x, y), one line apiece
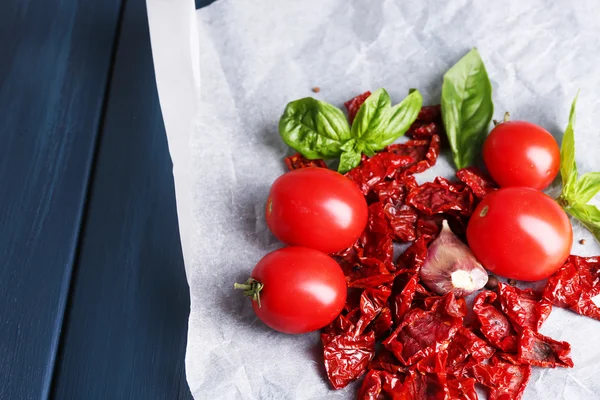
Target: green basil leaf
point(372, 115)
point(586, 187)
point(348, 160)
point(314, 128)
point(400, 118)
point(467, 107)
point(588, 215)
point(568, 168)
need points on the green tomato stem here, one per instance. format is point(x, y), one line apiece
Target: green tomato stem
point(251, 289)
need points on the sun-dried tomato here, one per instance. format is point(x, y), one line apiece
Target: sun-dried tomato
point(376, 169)
point(423, 153)
point(524, 308)
point(376, 240)
point(466, 349)
point(493, 324)
point(441, 196)
point(420, 386)
point(347, 356)
point(371, 386)
point(420, 334)
point(403, 293)
point(393, 191)
point(433, 363)
point(364, 272)
point(480, 184)
point(386, 361)
point(462, 389)
point(403, 221)
point(353, 105)
point(542, 351)
point(298, 161)
point(574, 285)
point(504, 380)
point(372, 301)
point(383, 323)
point(428, 123)
point(413, 257)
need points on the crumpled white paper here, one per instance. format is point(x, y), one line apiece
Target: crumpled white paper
point(225, 74)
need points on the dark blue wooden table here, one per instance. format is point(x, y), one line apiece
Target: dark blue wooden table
point(93, 296)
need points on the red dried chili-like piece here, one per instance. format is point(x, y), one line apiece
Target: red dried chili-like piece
point(542, 351)
point(405, 286)
point(376, 169)
point(423, 332)
point(423, 153)
point(524, 308)
point(353, 105)
point(372, 302)
point(298, 161)
point(441, 196)
point(480, 184)
point(574, 285)
point(346, 356)
point(386, 361)
point(421, 386)
point(505, 381)
point(427, 124)
point(465, 350)
point(493, 324)
point(462, 389)
point(383, 323)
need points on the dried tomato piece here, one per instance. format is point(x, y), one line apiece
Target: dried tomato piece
point(375, 169)
point(372, 302)
point(466, 349)
point(376, 240)
point(353, 105)
point(423, 153)
point(480, 184)
point(405, 286)
point(433, 363)
point(393, 191)
point(441, 196)
point(524, 308)
point(574, 285)
point(383, 323)
point(493, 324)
point(403, 221)
point(346, 357)
point(428, 123)
point(419, 386)
point(386, 361)
point(298, 161)
point(413, 257)
point(504, 380)
point(419, 334)
point(371, 386)
point(364, 272)
point(462, 389)
point(542, 351)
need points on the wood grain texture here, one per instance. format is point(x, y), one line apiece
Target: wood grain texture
point(125, 332)
point(54, 63)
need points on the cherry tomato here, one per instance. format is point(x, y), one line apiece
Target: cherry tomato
point(519, 153)
point(520, 233)
point(300, 289)
point(317, 208)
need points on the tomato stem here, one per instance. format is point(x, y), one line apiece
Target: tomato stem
point(506, 116)
point(251, 289)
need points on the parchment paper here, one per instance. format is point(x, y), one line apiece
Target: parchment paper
point(226, 72)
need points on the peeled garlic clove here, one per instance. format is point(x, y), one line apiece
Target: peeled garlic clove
point(450, 266)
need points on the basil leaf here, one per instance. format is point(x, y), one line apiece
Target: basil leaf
point(400, 118)
point(586, 187)
point(314, 128)
point(348, 160)
point(467, 107)
point(372, 115)
point(568, 168)
point(588, 215)
point(378, 124)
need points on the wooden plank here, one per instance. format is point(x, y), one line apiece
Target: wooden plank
point(125, 334)
point(54, 65)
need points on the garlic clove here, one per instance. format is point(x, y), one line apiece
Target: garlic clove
point(450, 266)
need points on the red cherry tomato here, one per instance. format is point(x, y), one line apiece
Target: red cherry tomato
point(519, 153)
point(300, 289)
point(316, 208)
point(520, 233)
